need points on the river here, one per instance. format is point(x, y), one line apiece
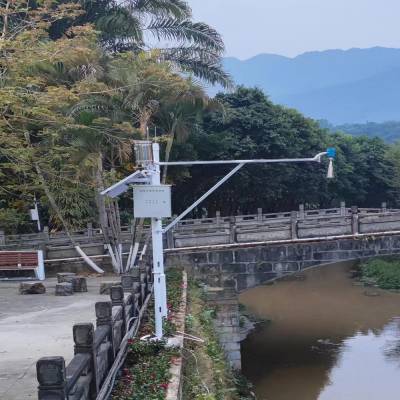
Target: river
point(326, 339)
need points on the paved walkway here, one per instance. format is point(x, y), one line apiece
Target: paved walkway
point(34, 326)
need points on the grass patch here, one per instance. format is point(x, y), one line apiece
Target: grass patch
point(384, 273)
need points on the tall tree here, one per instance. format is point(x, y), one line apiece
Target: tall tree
point(137, 25)
point(253, 127)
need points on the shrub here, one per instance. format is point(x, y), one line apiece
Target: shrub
point(384, 273)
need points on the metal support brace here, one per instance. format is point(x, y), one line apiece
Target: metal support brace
point(202, 198)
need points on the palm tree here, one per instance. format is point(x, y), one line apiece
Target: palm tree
point(179, 112)
point(134, 87)
point(193, 47)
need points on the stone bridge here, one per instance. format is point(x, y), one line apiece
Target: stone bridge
point(243, 266)
point(244, 231)
point(264, 251)
point(246, 251)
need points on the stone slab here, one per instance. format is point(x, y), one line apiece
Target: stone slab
point(64, 289)
point(65, 277)
point(105, 287)
point(32, 288)
point(79, 284)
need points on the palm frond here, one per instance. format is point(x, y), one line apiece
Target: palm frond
point(120, 24)
point(178, 9)
point(186, 31)
point(202, 65)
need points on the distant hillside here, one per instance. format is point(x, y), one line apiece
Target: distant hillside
point(388, 131)
point(353, 86)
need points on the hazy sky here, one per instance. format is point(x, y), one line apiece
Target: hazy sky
point(291, 27)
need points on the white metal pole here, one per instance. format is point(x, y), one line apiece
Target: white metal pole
point(160, 290)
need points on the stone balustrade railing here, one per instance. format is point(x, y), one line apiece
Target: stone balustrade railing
point(224, 230)
point(284, 226)
point(96, 349)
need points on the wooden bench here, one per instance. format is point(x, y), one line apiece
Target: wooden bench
point(23, 260)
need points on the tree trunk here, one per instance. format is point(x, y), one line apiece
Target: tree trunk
point(99, 198)
point(168, 149)
point(5, 20)
point(144, 123)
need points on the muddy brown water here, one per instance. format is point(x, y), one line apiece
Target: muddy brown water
point(327, 340)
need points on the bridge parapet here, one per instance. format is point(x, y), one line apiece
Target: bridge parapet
point(260, 227)
point(284, 226)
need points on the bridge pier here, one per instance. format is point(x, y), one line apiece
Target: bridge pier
point(227, 322)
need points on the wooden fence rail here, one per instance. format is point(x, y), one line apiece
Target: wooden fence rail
point(96, 349)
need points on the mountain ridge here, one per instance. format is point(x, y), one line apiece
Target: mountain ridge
point(294, 82)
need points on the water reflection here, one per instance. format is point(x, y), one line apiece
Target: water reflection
point(327, 340)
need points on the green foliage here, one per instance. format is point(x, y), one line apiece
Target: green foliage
point(12, 220)
point(193, 47)
point(385, 273)
point(146, 373)
point(249, 126)
point(71, 112)
point(388, 131)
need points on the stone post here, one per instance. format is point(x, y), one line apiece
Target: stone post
point(293, 225)
point(2, 238)
point(218, 217)
point(354, 220)
point(117, 299)
point(89, 230)
point(301, 211)
point(46, 234)
point(232, 230)
point(51, 375)
point(103, 313)
point(137, 301)
point(143, 282)
point(259, 214)
point(104, 318)
point(171, 239)
point(84, 343)
point(342, 209)
point(117, 295)
point(384, 207)
point(127, 282)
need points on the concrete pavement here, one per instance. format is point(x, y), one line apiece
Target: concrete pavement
point(34, 326)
